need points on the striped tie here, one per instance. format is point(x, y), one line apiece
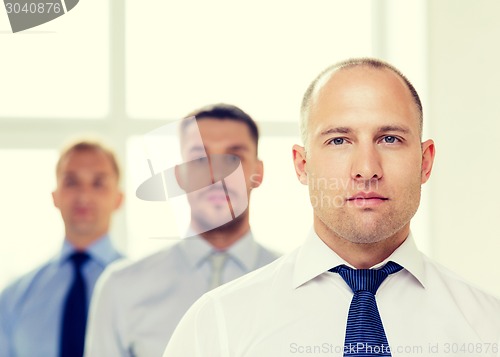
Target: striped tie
point(365, 334)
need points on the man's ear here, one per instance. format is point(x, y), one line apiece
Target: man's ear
point(55, 198)
point(258, 175)
point(299, 161)
point(119, 200)
point(428, 153)
point(179, 177)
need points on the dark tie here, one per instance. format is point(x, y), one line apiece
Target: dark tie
point(365, 334)
point(74, 317)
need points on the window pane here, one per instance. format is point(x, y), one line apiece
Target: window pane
point(148, 223)
point(260, 55)
point(31, 229)
point(280, 211)
point(59, 69)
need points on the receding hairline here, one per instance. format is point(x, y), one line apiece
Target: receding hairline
point(326, 74)
point(88, 146)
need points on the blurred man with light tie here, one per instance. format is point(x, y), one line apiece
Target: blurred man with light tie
point(137, 306)
point(358, 286)
point(44, 313)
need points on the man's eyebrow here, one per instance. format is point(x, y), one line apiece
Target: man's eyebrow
point(238, 148)
point(336, 130)
point(196, 148)
point(382, 129)
point(394, 128)
point(74, 174)
point(102, 174)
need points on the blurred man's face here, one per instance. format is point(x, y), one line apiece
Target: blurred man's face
point(87, 193)
point(217, 187)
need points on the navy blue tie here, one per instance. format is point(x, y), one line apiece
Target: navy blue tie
point(365, 335)
point(74, 317)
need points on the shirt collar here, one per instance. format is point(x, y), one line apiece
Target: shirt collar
point(409, 257)
point(101, 251)
point(244, 251)
point(315, 257)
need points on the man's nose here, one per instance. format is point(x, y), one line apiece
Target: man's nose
point(85, 192)
point(366, 164)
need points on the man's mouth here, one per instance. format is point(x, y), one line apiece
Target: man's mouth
point(364, 199)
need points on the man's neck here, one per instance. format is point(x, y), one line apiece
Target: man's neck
point(363, 255)
point(223, 237)
point(82, 241)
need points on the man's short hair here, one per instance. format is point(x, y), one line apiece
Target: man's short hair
point(325, 75)
point(85, 146)
point(222, 111)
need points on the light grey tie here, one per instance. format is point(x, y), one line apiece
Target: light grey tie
point(217, 261)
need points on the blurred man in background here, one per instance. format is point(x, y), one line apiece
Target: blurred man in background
point(137, 307)
point(44, 312)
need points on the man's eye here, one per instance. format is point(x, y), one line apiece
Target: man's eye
point(232, 158)
point(98, 184)
point(337, 141)
point(390, 139)
point(69, 183)
point(201, 160)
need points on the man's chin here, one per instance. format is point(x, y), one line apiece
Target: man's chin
point(226, 223)
point(365, 240)
point(227, 227)
point(84, 228)
point(210, 226)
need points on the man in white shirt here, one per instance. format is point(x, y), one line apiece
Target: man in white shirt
point(136, 307)
point(364, 163)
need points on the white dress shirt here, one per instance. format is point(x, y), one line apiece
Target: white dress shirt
point(137, 306)
point(296, 307)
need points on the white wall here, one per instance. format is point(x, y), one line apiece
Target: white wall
point(464, 119)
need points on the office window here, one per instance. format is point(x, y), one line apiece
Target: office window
point(31, 226)
point(280, 211)
point(260, 54)
point(151, 225)
point(58, 70)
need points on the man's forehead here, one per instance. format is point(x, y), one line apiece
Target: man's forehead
point(362, 86)
point(209, 132)
point(192, 135)
point(209, 145)
point(86, 160)
point(355, 75)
